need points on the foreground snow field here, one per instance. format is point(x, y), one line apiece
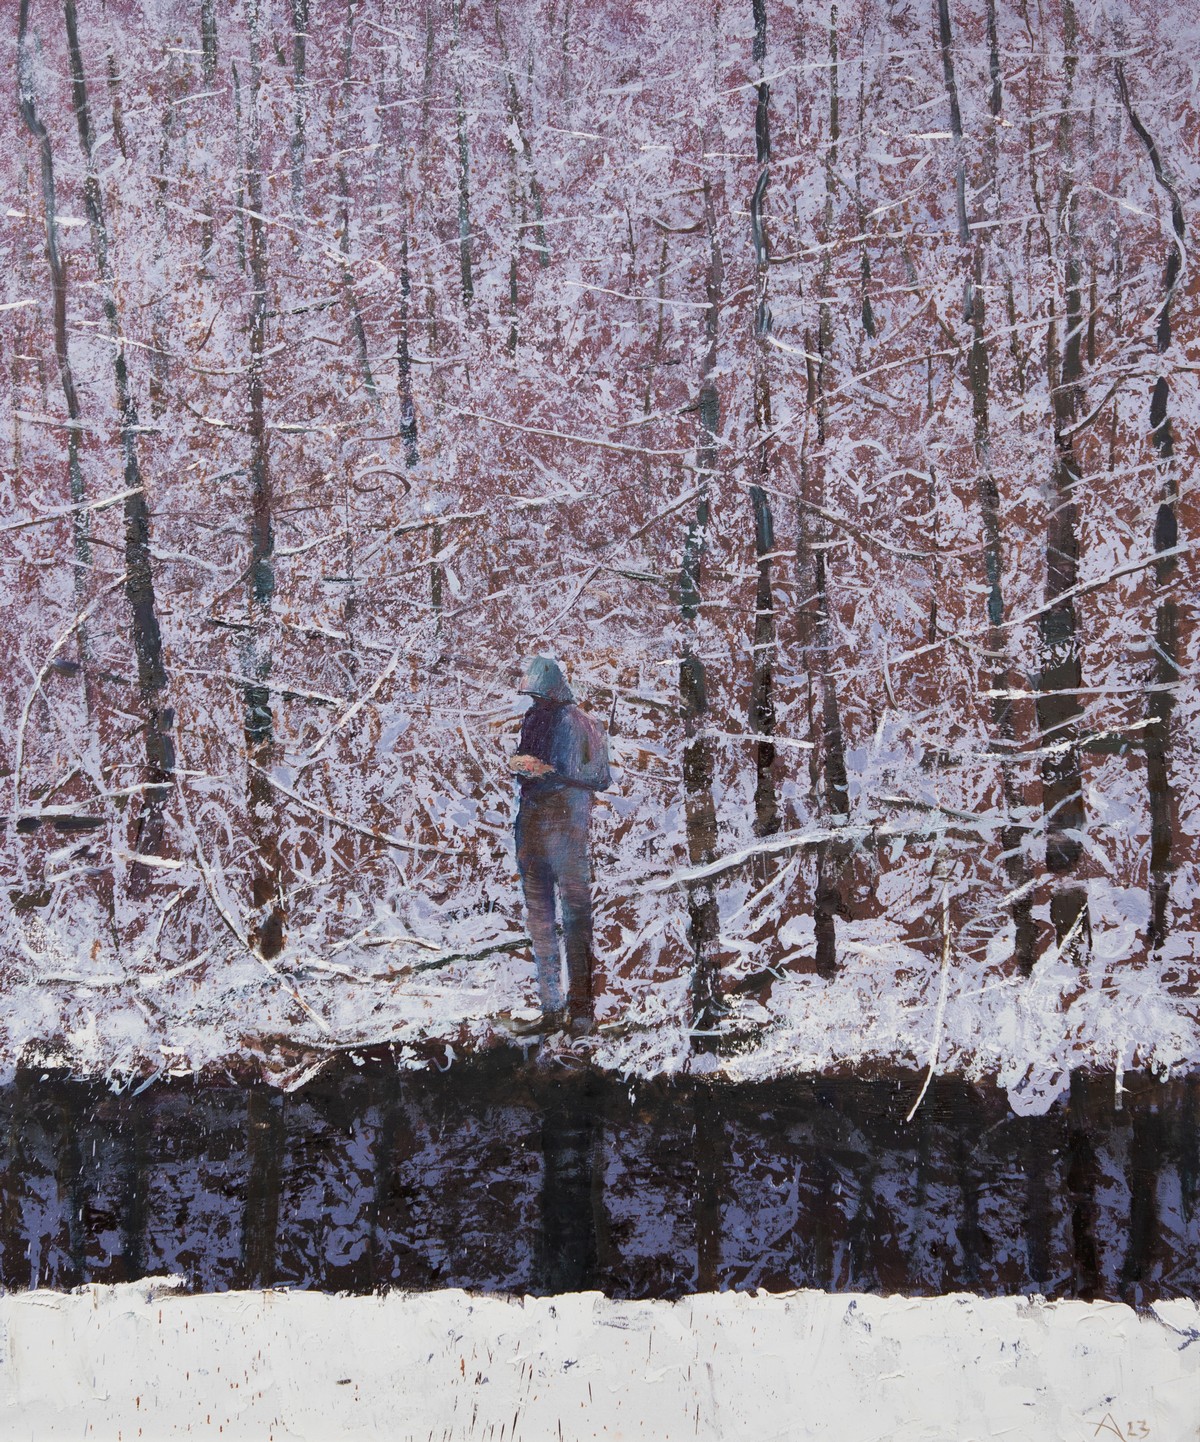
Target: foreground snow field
point(145, 1361)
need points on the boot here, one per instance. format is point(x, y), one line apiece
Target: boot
point(544, 1025)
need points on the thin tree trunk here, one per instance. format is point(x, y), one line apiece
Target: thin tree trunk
point(699, 806)
point(979, 379)
point(811, 548)
point(159, 362)
point(1166, 668)
point(1058, 702)
point(408, 413)
point(762, 686)
point(239, 201)
point(866, 313)
point(464, 166)
point(519, 147)
point(267, 928)
point(358, 330)
point(566, 61)
point(299, 10)
point(158, 716)
point(208, 68)
point(118, 117)
point(208, 38)
point(80, 527)
point(960, 169)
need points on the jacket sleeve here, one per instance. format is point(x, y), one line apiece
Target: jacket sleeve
point(579, 753)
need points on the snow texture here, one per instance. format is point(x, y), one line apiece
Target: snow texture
point(274, 1365)
point(819, 384)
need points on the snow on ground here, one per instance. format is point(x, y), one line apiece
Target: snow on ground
point(886, 1006)
point(143, 1361)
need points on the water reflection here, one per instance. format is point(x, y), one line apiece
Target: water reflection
point(505, 1177)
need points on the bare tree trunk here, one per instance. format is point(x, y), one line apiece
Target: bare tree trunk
point(118, 116)
point(158, 716)
point(299, 109)
point(866, 313)
point(208, 69)
point(979, 379)
point(266, 1146)
point(960, 169)
point(519, 146)
point(267, 928)
point(408, 413)
point(1166, 670)
point(208, 38)
point(464, 166)
point(1058, 702)
point(159, 360)
point(358, 330)
point(58, 281)
point(811, 546)
point(699, 806)
point(566, 60)
point(762, 686)
point(239, 201)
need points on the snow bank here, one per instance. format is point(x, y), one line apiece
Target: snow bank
point(1120, 1011)
point(145, 1361)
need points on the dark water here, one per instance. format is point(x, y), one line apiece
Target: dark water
point(511, 1178)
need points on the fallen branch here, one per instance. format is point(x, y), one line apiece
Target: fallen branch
point(66, 511)
point(492, 948)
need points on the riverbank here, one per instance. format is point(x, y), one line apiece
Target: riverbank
point(228, 1016)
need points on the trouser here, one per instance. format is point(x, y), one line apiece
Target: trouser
point(552, 855)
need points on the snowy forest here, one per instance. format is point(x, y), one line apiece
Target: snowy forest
point(817, 382)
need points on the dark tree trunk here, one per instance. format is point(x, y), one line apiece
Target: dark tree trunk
point(1058, 698)
point(299, 11)
point(567, 1256)
point(709, 1149)
point(1082, 1179)
point(1165, 671)
point(522, 154)
point(979, 379)
point(158, 718)
point(466, 272)
point(357, 328)
point(811, 549)
point(58, 281)
point(762, 684)
point(700, 809)
point(266, 931)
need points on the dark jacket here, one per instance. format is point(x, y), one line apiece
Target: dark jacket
point(566, 738)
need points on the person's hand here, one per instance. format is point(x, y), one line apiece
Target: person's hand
point(529, 766)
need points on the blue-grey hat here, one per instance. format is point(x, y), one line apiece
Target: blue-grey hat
point(544, 678)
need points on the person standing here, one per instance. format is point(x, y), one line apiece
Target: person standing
point(562, 761)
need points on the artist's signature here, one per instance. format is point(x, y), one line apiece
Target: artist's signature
point(1109, 1426)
